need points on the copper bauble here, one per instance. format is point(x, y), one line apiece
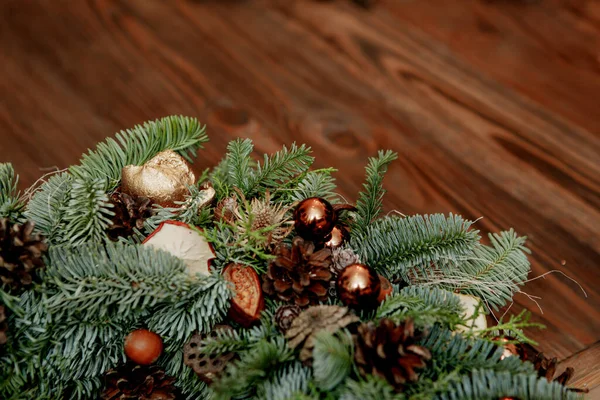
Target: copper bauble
point(164, 179)
point(143, 347)
point(359, 286)
point(314, 219)
point(338, 236)
point(386, 288)
point(511, 349)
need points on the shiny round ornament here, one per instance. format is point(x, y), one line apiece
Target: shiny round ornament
point(143, 347)
point(164, 179)
point(314, 219)
point(359, 286)
point(338, 236)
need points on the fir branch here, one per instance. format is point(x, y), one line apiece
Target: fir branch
point(401, 247)
point(239, 163)
point(452, 353)
point(88, 213)
point(186, 379)
point(333, 359)
point(93, 281)
point(489, 384)
point(258, 364)
point(278, 168)
point(203, 306)
point(219, 178)
point(285, 383)
point(492, 273)
point(47, 207)
point(138, 145)
point(369, 204)
point(11, 205)
point(426, 306)
point(513, 329)
point(371, 388)
point(319, 183)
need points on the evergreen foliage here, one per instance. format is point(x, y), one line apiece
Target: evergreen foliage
point(48, 206)
point(285, 383)
point(11, 205)
point(492, 273)
point(369, 388)
point(333, 359)
point(399, 247)
point(369, 204)
point(486, 384)
point(319, 183)
point(426, 306)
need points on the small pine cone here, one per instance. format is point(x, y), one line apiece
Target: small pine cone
point(21, 255)
point(131, 381)
point(299, 273)
point(3, 327)
point(285, 315)
point(546, 368)
point(314, 320)
point(130, 214)
point(208, 367)
point(226, 210)
point(342, 257)
point(390, 351)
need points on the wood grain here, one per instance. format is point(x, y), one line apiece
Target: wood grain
point(492, 105)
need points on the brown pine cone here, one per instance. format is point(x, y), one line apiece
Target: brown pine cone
point(21, 254)
point(208, 367)
point(130, 213)
point(3, 327)
point(314, 320)
point(390, 351)
point(546, 368)
point(299, 273)
point(285, 315)
point(131, 381)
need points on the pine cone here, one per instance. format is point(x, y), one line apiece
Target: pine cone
point(314, 320)
point(299, 273)
point(21, 254)
point(132, 381)
point(208, 367)
point(3, 327)
point(390, 351)
point(285, 315)
point(342, 257)
point(546, 368)
point(130, 213)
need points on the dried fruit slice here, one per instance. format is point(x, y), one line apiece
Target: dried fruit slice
point(184, 242)
point(249, 300)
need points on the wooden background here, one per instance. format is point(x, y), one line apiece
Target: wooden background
point(492, 105)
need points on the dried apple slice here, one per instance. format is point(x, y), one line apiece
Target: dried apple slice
point(184, 242)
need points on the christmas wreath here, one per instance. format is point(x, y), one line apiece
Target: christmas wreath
point(129, 277)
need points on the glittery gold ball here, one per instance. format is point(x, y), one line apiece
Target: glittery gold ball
point(164, 179)
point(314, 219)
point(359, 286)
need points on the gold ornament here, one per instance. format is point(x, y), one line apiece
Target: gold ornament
point(164, 179)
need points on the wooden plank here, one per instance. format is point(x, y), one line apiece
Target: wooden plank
point(346, 82)
point(587, 370)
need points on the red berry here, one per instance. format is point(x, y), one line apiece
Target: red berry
point(143, 347)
